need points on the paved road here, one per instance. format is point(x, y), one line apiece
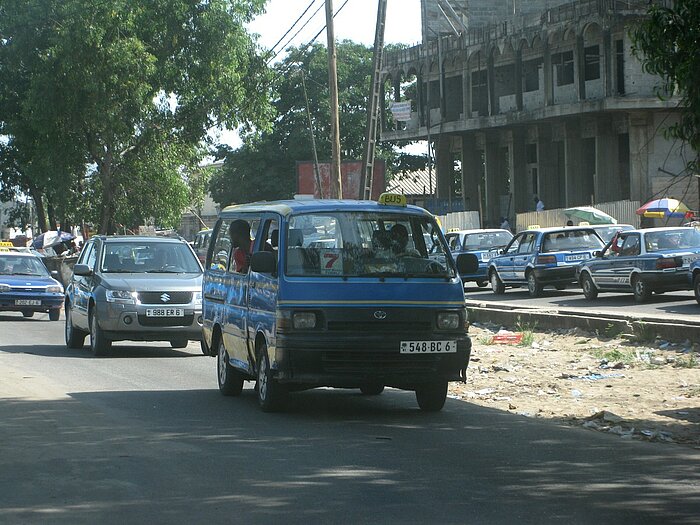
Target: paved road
point(671, 305)
point(143, 436)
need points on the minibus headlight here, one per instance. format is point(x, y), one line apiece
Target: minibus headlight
point(304, 320)
point(448, 320)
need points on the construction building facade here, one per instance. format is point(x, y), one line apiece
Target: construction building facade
point(525, 98)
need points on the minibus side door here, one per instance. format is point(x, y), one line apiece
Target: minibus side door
point(263, 289)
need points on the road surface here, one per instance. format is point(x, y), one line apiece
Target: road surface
point(143, 436)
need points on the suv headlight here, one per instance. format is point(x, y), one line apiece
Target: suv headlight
point(121, 296)
point(5, 287)
point(447, 320)
point(304, 320)
point(54, 288)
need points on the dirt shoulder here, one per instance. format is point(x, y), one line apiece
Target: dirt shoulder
point(604, 382)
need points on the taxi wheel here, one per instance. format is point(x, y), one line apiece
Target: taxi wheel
point(696, 287)
point(54, 314)
point(75, 338)
point(179, 343)
point(230, 379)
point(431, 397)
point(269, 391)
point(496, 284)
point(588, 286)
point(99, 344)
point(372, 389)
point(481, 284)
point(533, 285)
point(641, 290)
point(28, 313)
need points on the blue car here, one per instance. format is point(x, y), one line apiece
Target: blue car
point(479, 246)
point(694, 275)
point(642, 262)
point(27, 286)
point(543, 257)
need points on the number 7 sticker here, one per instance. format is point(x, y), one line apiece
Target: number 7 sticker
point(331, 262)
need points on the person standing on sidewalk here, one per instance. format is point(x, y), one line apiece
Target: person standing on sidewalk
point(539, 205)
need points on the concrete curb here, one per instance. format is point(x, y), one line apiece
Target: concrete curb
point(645, 329)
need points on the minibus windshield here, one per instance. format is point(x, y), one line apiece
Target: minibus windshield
point(363, 244)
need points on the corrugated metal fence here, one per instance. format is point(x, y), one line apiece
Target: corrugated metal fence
point(463, 220)
point(623, 211)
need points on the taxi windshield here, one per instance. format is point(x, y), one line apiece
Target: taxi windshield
point(486, 240)
point(678, 239)
point(569, 240)
point(22, 265)
point(363, 244)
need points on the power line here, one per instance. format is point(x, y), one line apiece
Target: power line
point(276, 53)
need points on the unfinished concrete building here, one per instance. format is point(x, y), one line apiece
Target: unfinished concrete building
point(520, 98)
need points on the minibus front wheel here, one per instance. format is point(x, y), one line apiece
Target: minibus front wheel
point(269, 390)
point(230, 379)
point(431, 396)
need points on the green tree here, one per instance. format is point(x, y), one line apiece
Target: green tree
point(116, 97)
point(264, 167)
point(668, 44)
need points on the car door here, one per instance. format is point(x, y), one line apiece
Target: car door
point(504, 263)
point(81, 286)
point(523, 256)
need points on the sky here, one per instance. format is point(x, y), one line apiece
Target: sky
point(356, 21)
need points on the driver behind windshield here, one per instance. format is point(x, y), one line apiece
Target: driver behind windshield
point(398, 236)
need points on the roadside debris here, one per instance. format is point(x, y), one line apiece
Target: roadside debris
point(640, 390)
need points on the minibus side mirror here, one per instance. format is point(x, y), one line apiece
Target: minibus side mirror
point(82, 270)
point(467, 263)
point(264, 262)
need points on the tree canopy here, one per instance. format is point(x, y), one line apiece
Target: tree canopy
point(105, 105)
point(668, 43)
point(264, 167)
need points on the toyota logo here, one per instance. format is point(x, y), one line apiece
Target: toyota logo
point(380, 314)
point(165, 297)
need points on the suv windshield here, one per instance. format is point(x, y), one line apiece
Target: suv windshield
point(148, 257)
point(361, 244)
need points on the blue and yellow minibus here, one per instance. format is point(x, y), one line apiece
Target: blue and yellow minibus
point(301, 294)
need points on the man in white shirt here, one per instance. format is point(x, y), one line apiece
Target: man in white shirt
point(539, 205)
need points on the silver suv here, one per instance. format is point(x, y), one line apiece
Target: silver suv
point(134, 288)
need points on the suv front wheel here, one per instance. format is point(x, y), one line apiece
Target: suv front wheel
point(99, 344)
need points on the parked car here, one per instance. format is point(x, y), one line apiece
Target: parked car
point(200, 245)
point(27, 286)
point(642, 262)
point(479, 246)
point(134, 288)
point(543, 257)
point(380, 305)
point(694, 278)
point(608, 231)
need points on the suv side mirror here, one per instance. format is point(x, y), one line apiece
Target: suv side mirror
point(264, 262)
point(82, 269)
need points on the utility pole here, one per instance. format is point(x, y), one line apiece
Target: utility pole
point(373, 109)
point(335, 179)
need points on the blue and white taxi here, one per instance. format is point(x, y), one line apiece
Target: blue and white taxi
point(642, 262)
point(543, 257)
point(479, 246)
point(694, 278)
point(27, 286)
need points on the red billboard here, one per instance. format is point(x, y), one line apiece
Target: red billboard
point(351, 176)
